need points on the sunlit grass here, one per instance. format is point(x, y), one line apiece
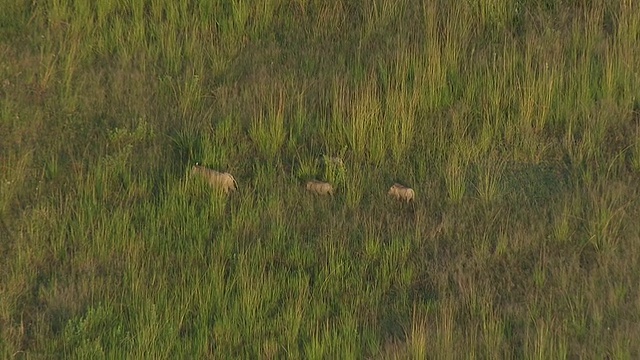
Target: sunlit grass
point(517, 124)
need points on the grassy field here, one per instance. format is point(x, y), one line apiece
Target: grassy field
point(516, 122)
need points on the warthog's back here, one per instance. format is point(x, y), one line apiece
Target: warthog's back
point(218, 180)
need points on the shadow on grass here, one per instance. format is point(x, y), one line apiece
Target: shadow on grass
point(535, 184)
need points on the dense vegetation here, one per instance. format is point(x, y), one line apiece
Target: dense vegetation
point(516, 122)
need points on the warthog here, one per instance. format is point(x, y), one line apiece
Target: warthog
point(218, 180)
point(402, 193)
point(320, 187)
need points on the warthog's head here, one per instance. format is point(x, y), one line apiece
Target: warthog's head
point(233, 185)
point(196, 169)
point(395, 189)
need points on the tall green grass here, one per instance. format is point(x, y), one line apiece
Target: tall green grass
point(515, 122)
